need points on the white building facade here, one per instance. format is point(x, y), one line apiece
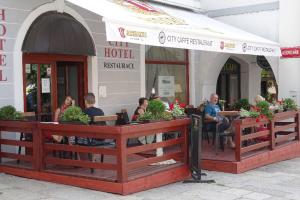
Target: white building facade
point(120, 87)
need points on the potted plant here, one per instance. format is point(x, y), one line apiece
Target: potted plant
point(156, 111)
point(289, 104)
point(74, 115)
point(241, 104)
point(177, 110)
point(264, 108)
point(9, 113)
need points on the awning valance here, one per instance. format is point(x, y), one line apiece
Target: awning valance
point(152, 24)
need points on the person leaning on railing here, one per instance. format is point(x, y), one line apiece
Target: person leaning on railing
point(59, 113)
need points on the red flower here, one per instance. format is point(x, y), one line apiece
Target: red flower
point(171, 106)
point(182, 105)
point(257, 120)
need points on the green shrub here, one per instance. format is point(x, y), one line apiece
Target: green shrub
point(241, 104)
point(263, 107)
point(156, 107)
point(9, 113)
point(246, 113)
point(289, 104)
point(75, 114)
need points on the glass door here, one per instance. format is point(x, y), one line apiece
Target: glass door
point(38, 90)
point(70, 82)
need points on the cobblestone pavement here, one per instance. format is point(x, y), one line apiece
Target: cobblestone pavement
point(273, 182)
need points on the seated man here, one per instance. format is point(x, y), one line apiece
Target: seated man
point(211, 113)
point(141, 109)
point(91, 111)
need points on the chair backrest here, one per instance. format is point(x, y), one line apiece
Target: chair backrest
point(28, 114)
point(123, 118)
point(105, 118)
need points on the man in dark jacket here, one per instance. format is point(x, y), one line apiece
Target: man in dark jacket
point(90, 110)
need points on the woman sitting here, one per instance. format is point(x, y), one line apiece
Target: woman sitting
point(59, 113)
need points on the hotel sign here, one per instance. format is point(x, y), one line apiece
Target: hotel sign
point(3, 32)
point(290, 52)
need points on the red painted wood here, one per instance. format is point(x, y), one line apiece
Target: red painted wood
point(255, 135)
point(81, 149)
point(156, 180)
point(286, 138)
point(285, 127)
point(238, 140)
point(16, 156)
point(272, 138)
point(16, 143)
point(148, 161)
point(152, 146)
point(80, 163)
point(255, 146)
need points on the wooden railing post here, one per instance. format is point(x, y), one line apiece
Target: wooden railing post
point(41, 146)
point(185, 146)
point(298, 125)
point(36, 148)
point(238, 145)
point(122, 172)
point(0, 148)
point(272, 133)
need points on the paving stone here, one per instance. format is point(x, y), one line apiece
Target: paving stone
point(238, 192)
point(257, 196)
point(279, 181)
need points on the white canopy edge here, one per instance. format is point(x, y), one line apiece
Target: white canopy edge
point(156, 25)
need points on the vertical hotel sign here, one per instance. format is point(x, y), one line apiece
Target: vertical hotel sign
point(3, 31)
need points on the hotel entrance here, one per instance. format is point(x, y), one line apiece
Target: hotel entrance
point(49, 79)
point(55, 63)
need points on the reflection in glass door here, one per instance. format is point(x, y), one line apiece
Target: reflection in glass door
point(70, 82)
point(38, 90)
point(228, 85)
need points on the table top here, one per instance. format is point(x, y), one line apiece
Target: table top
point(229, 113)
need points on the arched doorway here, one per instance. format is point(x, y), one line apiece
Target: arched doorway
point(268, 86)
point(55, 53)
point(228, 84)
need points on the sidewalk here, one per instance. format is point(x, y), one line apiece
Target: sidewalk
point(274, 182)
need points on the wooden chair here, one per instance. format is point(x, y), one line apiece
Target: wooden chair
point(101, 120)
point(98, 119)
point(28, 115)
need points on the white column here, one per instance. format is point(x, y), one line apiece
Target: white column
point(142, 71)
point(289, 36)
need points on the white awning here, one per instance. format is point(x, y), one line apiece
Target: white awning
point(151, 24)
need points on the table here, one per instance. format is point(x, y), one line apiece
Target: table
point(230, 115)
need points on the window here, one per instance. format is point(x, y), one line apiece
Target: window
point(167, 73)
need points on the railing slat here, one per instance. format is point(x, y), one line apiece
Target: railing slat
point(283, 138)
point(148, 161)
point(80, 163)
point(255, 146)
point(81, 149)
point(285, 127)
point(16, 156)
point(152, 146)
point(16, 143)
point(255, 135)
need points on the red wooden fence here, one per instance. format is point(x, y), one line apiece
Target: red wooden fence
point(127, 163)
point(281, 130)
